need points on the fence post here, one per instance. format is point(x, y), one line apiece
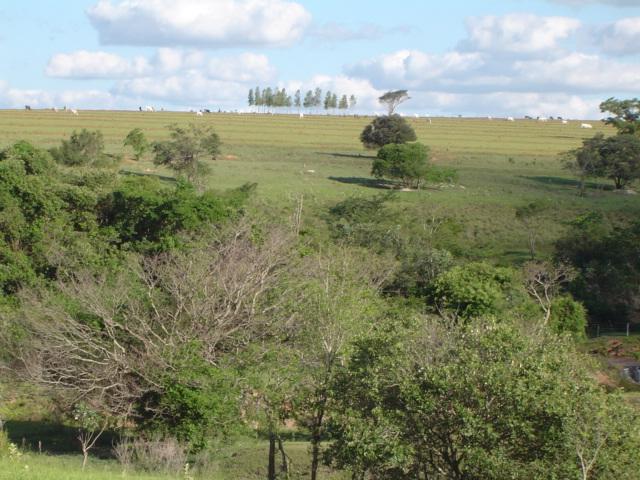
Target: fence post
point(628, 328)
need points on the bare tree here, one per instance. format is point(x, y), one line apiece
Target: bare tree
point(117, 342)
point(543, 281)
point(394, 98)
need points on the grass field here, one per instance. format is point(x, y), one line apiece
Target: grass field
point(501, 164)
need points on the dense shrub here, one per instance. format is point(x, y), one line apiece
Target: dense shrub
point(568, 316)
point(83, 148)
point(387, 129)
point(608, 265)
point(408, 163)
point(473, 290)
point(149, 215)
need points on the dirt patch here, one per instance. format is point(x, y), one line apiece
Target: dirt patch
point(230, 157)
point(605, 380)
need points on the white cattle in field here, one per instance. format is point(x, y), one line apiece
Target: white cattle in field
point(543, 119)
point(55, 109)
point(74, 111)
point(511, 119)
point(564, 122)
point(301, 115)
point(149, 109)
point(199, 114)
point(586, 125)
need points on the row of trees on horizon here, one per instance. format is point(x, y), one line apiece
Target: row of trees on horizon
point(313, 99)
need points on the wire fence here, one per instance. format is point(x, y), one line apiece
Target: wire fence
point(618, 330)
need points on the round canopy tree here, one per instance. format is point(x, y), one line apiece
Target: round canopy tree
point(385, 130)
point(407, 163)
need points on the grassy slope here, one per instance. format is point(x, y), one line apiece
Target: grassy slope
point(501, 164)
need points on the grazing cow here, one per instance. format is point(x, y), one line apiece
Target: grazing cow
point(149, 109)
point(55, 109)
point(74, 111)
point(27, 107)
point(199, 114)
point(206, 110)
point(489, 117)
point(511, 119)
point(586, 125)
point(301, 115)
point(564, 122)
point(543, 119)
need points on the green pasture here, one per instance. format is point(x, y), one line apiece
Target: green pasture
point(501, 165)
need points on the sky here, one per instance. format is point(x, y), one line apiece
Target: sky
point(456, 57)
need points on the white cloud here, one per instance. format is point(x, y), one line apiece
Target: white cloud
point(17, 98)
point(578, 72)
point(212, 23)
point(413, 68)
point(245, 67)
point(619, 38)
point(518, 33)
point(85, 64)
point(341, 32)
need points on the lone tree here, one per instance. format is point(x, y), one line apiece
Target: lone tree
point(393, 99)
point(186, 149)
point(137, 141)
point(625, 115)
point(616, 158)
point(385, 130)
point(407, 163)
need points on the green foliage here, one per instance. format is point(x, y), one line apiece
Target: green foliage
point(4, 443)
point(138, 142)
point(483, 401)
point(408, 163)
point(83, 148)
point(198, 403)
point(186, 150)
point(626, 114)
point(363, 221)
point(149, 215)
point(616, 158)
point(473, 290)
point(608, 264)
point(385, 130)
point(438, 174)
point(419, 268)
point(568, 316)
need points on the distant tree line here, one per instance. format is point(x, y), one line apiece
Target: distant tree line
point(313, 99)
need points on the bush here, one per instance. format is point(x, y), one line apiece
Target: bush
point(149, 215)
point(408, 163)
point(385, 130)
point(568, 316)
point(84, 148)
point(441, 175)
point(473, 290)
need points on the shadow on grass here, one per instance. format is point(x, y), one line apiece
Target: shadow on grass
point(55, 439)
point(568, 182)
point(364, 182)
point(163, 178)
point(347, 155)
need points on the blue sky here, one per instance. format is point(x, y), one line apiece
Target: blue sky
point(510, 57)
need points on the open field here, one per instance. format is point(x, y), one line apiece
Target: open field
point(501, 164)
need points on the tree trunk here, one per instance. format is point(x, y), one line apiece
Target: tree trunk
point(85, 457)
point(284, 468)
point(272, 456)
point(316, 436)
